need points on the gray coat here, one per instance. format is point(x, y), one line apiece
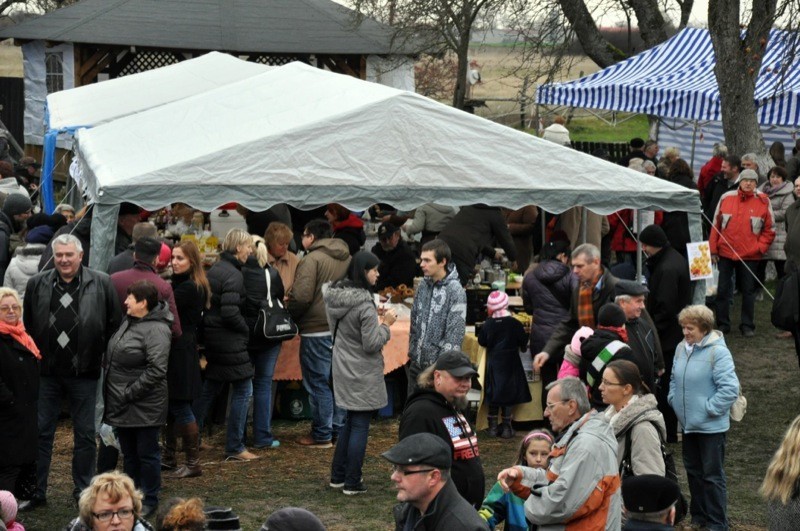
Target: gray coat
point(357, 358)
point(634, 421)
point(780, 200)
point(135, 387)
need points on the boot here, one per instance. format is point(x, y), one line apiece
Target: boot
point(168, 461)
point(491, 431)
point(506, 431)
point(191, 445)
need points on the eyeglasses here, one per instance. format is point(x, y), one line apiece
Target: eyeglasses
point(105, 516)
point(549, 407)
point(404, 472)
point(606, 382)
point(14, 308)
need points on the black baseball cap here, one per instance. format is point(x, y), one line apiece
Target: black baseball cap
point(456, 363)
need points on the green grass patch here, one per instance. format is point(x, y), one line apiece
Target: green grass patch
point(593, 129)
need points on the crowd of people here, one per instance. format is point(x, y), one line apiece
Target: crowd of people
point(143, 353)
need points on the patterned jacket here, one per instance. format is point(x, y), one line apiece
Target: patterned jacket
point(438, 318)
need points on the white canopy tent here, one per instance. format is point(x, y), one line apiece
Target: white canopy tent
point(304, 136)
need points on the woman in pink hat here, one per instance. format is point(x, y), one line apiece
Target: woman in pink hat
point(504, 338)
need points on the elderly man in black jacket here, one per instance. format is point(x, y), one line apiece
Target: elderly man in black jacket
point(670, 292)
point(642, 335)
point(398, 262)
point(71, 312)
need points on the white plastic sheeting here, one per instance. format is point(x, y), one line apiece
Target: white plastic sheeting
point(304, 136)
point(98, 103)
point(33, 59)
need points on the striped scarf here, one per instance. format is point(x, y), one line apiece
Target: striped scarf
point(585, 308)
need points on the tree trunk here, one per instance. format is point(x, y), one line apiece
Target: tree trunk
point(651, 22)
point(599, 50)
point(462, 54)
point(737, 64)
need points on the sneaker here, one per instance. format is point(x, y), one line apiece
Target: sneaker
point(274, 444)
point(747, 332)
point(355, 490)
point(336, 485)
point(244, 455)
point(309, 442)
point(29, 505)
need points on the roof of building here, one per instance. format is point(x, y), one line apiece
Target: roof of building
point(262, 26)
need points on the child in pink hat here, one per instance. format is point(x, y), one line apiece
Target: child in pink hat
point(505, 384)
point(8, 511)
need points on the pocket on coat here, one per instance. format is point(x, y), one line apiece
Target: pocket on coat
point(756, 224)
point(726, 218)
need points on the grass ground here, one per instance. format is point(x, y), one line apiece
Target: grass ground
point(291, 475)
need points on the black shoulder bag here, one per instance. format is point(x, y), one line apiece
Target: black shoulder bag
point(274, 322)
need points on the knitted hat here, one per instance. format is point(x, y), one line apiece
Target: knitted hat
point(746, 174)
point(498, 300)
point(221, 518)
point(611, 315)
point(649, 493)
point(293, 519)
point(582, 333)
point(653, 235)
point(164, 256)
point(17, 204)
point(8, 506)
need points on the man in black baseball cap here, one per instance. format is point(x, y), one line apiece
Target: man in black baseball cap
point(650, 502)
point(436, 408)
point(398, 262)
point(421, 475)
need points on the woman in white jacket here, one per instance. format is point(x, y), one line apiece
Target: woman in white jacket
point(23, 266)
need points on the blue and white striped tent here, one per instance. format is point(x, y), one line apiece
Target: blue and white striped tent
point(676, 80)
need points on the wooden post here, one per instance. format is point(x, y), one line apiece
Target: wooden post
point(522, 100)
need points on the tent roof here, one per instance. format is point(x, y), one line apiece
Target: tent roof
point(264, 26)
point(305, 136)
point(98, 103)
point(676, 80)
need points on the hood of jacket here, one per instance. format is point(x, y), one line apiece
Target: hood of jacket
point(785, 189)
point(429, 395)
point(597, 341)
point(643, 409)
point(159, 313)
point(450, 277)
point(343, 296)
point(352, 222)
point(712, 338)
point(333, 247)
point(28, 257)
point(442, 209)
point(551, 271)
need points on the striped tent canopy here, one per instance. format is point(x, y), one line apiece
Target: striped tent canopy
point(676, 80)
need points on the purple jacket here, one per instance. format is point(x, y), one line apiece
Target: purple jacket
point(142, 271)
point(546, 295)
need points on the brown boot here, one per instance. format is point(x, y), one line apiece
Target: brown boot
point(168, 461)
point(191, 445)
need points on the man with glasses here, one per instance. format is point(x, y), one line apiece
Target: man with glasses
point(327, 260)
point(437, 407)
point(421, 475)
point(582, 484)
point(71, 312)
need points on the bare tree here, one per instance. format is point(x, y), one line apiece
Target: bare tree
point(16, 8)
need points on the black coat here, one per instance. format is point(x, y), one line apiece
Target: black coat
point(676, 224)
point(447, 511)
point(183, 373)
point(135, 388)
point(224, 327)
point(19, 394)
point(504, 339)
point(546, 294)
point(716, 188)
point(428, 412)
point(398, 266)
point(592, 346)
point(255, 285)
point(670, 292)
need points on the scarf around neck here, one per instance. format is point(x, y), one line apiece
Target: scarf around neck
point(18, 333)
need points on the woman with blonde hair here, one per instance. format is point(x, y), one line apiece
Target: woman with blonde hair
point(226, 336)
point(278, 237)
point(781, 486)
point(110, 502)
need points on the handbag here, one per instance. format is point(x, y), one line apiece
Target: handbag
point(739, 408)
point(670, 471)
point(274, 322)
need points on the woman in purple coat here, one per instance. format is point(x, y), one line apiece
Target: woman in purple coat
point(546, 294)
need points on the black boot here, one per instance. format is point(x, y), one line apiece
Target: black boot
point(491, 431)
point(191, 446)
point(168, 460)
point(506, 431)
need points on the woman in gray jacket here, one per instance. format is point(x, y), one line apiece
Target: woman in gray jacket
point(359, 334)
point(135, 387)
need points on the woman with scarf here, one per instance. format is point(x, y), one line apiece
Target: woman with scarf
point(346, 226)
point(779, 190)
point(19, 394)
point(504, 338)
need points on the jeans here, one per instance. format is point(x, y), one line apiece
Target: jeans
point(703, 458)
point(264, 362)
point(81, 393)
point(181, 411)
point(241, 391)
point(348, 458)
point(315, 366)
point(141, 460)
point(727, 267)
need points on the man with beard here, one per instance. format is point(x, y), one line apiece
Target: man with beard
point(582, 485)
point(421, 475)
point(642, 335)
point(398, 262)
point(436, 408)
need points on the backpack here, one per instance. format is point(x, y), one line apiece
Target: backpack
point(670, 472)
point(786, 306)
